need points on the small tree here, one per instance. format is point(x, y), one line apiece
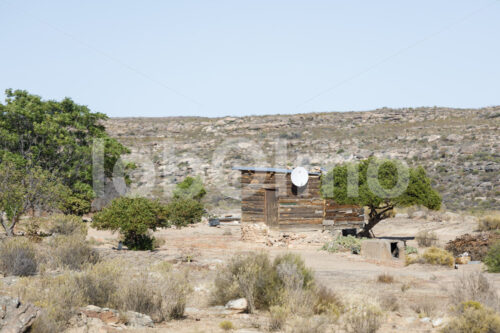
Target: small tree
point(182, 212)
point(26, 188)
point(133, 218)
point(380, 185)
point(190, 188)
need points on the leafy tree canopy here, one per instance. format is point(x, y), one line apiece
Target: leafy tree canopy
point(133, 218)
point(57, 137)
point(379, 185)
point(27, 188)
point(190, 188)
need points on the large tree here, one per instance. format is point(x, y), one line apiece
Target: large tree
point(57, 137)
point(27, 188)
point(380, 185)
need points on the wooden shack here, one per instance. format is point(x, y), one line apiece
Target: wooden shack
point(269, 196)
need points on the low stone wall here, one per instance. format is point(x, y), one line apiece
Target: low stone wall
point(380, 250)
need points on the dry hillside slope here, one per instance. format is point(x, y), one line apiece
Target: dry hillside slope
point(459, 148)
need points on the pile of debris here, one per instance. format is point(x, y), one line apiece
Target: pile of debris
point(475, 245)
point(260, 233)
point(254, 232)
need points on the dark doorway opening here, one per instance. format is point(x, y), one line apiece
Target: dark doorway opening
point(347, 232)
point(394, 249)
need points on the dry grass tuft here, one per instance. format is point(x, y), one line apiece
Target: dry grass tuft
point(363, 317)
point(489, 222)
point(424, 307)
point(385, 278)
point(18, 257)
point(473, 317)
point(475, 287)
point(426, 238)
point(226, 325)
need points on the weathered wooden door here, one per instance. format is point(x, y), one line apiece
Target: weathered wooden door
point(271, 208)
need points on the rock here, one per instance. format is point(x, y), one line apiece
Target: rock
point(454, 137)
point(401, 215)
point(95, 319)
point(138, 320)
point(437, 322)
point(239, 304)
point(425, 320)
point(433, 138)
point(16, 317)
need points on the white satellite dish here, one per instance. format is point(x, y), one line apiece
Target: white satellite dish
point(300, 176)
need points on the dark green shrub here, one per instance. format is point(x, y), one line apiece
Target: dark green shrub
point(182, 212)
point(18, 257)
point(492, 259)
point(134, 218)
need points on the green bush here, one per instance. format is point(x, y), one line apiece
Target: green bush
point(134, 218)
point(473, 317)
point(344, 243)
point(190, 188)
point(18, 257)
point(492, 259)
point(410, 250)
point(184, 211)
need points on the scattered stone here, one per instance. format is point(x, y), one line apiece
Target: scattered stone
point(16, 317)
point(239, 304)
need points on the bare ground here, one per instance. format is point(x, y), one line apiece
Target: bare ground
point(352, 276)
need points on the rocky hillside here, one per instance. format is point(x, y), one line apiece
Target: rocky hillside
point(460, 148)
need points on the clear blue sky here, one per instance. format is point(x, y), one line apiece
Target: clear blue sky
point(216, 58)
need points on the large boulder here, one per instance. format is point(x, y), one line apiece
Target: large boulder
point(16, 317)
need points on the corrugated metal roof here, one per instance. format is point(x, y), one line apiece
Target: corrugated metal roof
point(277, 170)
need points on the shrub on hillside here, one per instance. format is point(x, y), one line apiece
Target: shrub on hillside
point(426, 238)
point(344, 243)
point(492, 259)
point(473, 317)
point(475, 287)
point(284, 282)
point(363, 318)
point(489, 222)
point(134, 218)
point(184, 211)
point(438, 256)
point(476, 245)
point(161, 295)
point(433, 256)
point(68, 225)
point(73, 252)
point(18, 257)
point(190, 188)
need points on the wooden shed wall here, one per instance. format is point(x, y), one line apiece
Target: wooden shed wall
point(301, 208)
point(305, 208)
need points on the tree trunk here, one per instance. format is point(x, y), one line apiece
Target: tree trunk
point(9, 228)
point(368, 227)
point(374, 218)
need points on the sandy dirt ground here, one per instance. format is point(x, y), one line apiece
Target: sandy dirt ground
point(351, 276)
